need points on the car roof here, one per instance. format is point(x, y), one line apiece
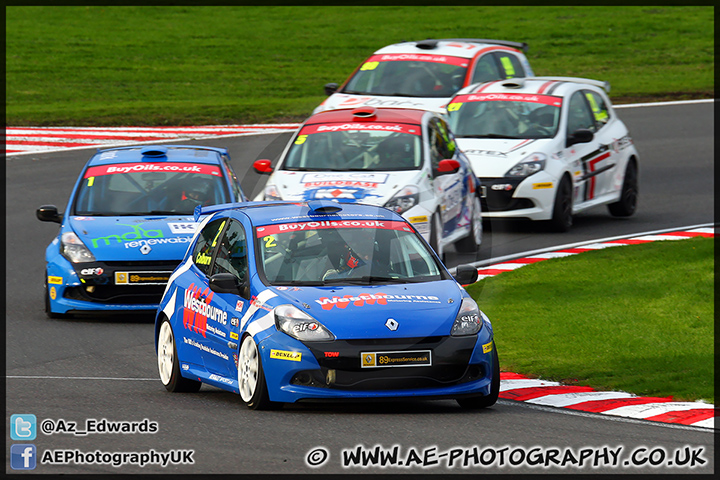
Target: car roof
point(267, 213)
point(158, 153)
point(470, 47)
point(393, 115)
point(556, 86)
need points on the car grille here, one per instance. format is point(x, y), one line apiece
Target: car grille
point(144, 282)
point(342, 370)
point(500, 198)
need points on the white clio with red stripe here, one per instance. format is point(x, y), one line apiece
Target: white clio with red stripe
point(546, 148)
point(426, 74)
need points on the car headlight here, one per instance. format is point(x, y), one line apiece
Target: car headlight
point(72, 248)
point(298, 324)
point(468, 321)
point(404, 199)
point(272, 193)
point(531, 164)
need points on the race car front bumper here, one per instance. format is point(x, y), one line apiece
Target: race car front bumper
point(509, 197)
point(432, 367)
point(106, 286)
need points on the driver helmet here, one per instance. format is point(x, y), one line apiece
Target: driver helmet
point(198, 191)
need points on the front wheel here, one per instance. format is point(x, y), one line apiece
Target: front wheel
point(251, 378)
point(629, 195)
point(471, 243)
point(436, 231)
point(169, 364)
point(562, 209)
point(489, 400)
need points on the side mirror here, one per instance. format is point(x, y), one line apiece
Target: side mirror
point(48, 213)
point(448, 166)
point(224, 283)
point(581, 135)
point(466, 274)
point(330, 88)
point(263, 166)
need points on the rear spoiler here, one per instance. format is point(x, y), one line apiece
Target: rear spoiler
point(519, 45)
point(598, 83)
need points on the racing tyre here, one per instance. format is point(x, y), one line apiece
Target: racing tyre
point(629, 196)
point(435, 234)
point(471, 243)
point(48, 310)
point(251, 378)
point(562, 210)
point(483, 401)
point(169, 365)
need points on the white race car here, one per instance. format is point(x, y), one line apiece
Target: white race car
point(546, 148)
point(427, 73)
point(404, 160)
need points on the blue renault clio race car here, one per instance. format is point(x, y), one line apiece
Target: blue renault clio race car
point(286, 302)
point(127, 225)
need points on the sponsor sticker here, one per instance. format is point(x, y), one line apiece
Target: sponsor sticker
point(417, 358)
point(180, 228)
point(152, 167)
point(142, 278)
point(376, 127)
point(419, 57)
point(324, 224)
point(538, 186)
point(234, 335)
point(285, 355)
point(55, 280)
point(53, 293)
point(510, 97)
point(487, 347)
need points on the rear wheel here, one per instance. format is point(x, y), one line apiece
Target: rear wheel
point(562, 209)
point(471, 243)
point(485, 401)
point(629, 195)
point(169, 364)
point(251, 378)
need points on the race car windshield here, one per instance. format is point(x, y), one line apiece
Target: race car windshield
point(319, 148)
point(131, 189)
point(406, 79)
point(503, 119)
point(344, 252)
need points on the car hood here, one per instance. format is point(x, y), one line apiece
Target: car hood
point(493, 157)
point(374, 188)
point(338, 101)
point(148, 238)
point(380, 311)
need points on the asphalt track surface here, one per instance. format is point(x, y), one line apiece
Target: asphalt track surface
point(105, 368)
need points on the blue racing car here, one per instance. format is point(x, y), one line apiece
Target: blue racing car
point(127, 225)
point(284, 302)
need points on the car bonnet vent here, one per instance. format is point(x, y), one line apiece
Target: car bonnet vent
point(154, 152)
point(323, 207)
point(363, 113)
point(513, 83)
point(427, 44)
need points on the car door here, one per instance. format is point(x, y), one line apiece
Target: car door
point(223, 327)
point(193, 297)
point(449, 187)
point(591, 161)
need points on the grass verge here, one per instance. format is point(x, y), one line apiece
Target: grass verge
point(638, 318)
point(194, 65)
